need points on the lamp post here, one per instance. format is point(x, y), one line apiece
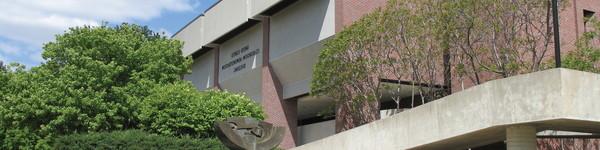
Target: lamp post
point(556, 33)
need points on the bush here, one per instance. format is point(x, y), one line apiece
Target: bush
point(586, 56)
point(133, 139)
point(177, 109)
point(93, 80)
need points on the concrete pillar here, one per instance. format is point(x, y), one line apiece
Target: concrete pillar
point(521, 138)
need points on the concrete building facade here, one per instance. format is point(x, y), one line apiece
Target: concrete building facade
point(267, 50)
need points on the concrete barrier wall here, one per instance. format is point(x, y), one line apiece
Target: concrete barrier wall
point(316, 131)
point(553, 99)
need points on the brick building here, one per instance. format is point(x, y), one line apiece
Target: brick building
point(267, 50)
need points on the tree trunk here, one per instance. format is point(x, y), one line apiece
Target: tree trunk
point(365, 112)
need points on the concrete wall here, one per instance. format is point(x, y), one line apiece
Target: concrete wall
point(313, 132)
point(295, 69)
point(258, 6)
point(296, 36)
point(558, 99)
point(219, 20)
point(246, 43)
point(248, 83)
point(192, 36)
point(202, 71)
point(300, 25)
point(316, 131)
point(243, 76)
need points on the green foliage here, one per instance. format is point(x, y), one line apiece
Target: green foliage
point(98, 79)
point(2, 67)
point(3, 80)
point(176, 109)
point(333, 69)
point(133, 139)
point(586, 57)
point(349, 69)
point(94, 79)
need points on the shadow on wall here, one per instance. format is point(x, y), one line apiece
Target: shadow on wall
point(301, 25)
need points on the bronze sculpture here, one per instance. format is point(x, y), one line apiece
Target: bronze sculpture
point(244, 133)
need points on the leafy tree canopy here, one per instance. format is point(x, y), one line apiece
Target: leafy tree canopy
point(586, 56)
point(100, 79)
point(92, 80)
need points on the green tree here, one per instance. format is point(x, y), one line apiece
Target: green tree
point(349, 70)
point(94, 79)
point(428, 43)
point(109, 78)
point(586, 56)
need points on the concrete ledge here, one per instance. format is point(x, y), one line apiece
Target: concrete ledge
point(222, 18)
point(559, 99)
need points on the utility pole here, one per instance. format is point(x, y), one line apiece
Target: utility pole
point(556, 33)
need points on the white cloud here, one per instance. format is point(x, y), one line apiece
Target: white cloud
point(34, 22)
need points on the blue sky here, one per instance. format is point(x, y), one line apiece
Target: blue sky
point(25, 25)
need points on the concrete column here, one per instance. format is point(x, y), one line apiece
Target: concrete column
point(521, 138)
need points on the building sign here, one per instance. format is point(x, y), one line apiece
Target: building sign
point(238, 58)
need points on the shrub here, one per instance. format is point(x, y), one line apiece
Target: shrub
point(93, 80)
point(178, 109)
point(133, 139)
point(586, 56)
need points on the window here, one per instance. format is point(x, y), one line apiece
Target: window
point(587, 17)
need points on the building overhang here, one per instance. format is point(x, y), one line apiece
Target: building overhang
point(223, 21)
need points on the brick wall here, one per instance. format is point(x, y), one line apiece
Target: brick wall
point(571, 27)
point(568, 143)
point(280, 112)
point(348, 11)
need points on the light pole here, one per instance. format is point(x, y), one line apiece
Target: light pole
point(556, 33)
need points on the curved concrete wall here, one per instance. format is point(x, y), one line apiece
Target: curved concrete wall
point(559, 99)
